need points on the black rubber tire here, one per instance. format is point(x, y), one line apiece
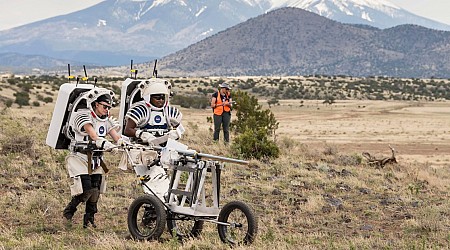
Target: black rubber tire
point(185, 229)
point(146, 218)
point(240, 213)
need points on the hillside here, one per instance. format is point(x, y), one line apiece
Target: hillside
point(292, 41)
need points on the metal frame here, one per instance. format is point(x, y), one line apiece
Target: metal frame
point(189, 198)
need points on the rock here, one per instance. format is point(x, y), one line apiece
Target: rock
point(326, 209)
point(276, 191)
point(335, 202)
point(366, 228)
point(415, 204)
point(345, 173)
point(234, 191)
point(364, 190)
point(343, 186)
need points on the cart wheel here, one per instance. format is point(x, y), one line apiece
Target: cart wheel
point(185, 228)
point(146, 218)
point(242, 222)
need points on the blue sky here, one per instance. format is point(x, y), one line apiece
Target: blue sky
point(19, 12)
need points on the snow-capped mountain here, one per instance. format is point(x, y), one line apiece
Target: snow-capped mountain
point(378, 13)
point(115, 31)
point(292, 41)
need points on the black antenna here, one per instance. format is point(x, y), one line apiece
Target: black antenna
point(70, 77)
point(68, 69)
point(95, 81)
point(155, 72)
point(78, 79)
point(86, 78)
point(131, 68)
point(135, 71)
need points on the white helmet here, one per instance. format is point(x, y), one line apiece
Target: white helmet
point(98, 94)
point(155, 86)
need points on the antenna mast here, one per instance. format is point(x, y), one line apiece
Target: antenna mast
point(135, 71)
point(155, 71)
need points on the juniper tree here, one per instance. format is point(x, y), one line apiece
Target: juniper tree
point(254, 127)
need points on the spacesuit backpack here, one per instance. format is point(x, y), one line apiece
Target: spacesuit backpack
point(73, 109)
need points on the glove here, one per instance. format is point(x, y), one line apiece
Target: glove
point(173, 134)
point(102, 143)
point(123, 141)
point(174, 116)
point(145, 136)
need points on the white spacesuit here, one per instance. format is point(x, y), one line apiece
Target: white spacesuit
point(152, 121)
point(88, 124)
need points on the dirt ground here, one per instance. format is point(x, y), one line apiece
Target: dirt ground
point(417, 131)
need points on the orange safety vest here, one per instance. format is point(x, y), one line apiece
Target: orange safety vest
point(218, 110)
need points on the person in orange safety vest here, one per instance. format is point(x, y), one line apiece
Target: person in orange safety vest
point(221, 103)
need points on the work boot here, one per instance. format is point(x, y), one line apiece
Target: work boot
point(88, 218)
point(71, 208)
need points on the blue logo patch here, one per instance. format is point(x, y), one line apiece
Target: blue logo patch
point(157, 119)
point(101, 130)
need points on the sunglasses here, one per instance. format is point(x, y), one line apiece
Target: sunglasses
point(158, 97)
point(105, 106)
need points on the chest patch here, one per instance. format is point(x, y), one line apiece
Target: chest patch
point(157, 119)
point(101, 130)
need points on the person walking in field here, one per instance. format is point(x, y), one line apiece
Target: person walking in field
point(90, 123)
point(221, 103)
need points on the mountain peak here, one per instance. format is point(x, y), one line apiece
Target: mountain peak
point(291, 41)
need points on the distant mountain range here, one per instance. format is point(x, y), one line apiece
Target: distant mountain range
point(377, 13)
point(115, 31)
point(291, 41)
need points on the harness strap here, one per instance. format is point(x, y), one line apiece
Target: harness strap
point(103, 165)
point(89, 162)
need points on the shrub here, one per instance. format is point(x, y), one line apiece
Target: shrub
point(250, 115)
point(190, 101)
point(36, 104)
point(12, 81)
point(22, 98)
point(253, 126)
point(48, 99)
point(255, 144)
point(9, 103)
point(273, 101)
